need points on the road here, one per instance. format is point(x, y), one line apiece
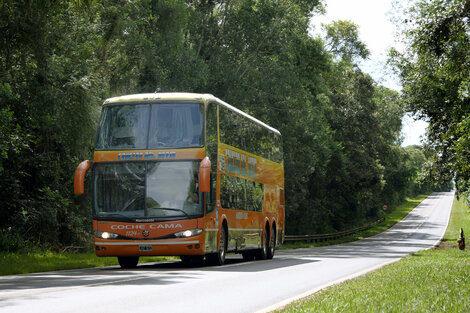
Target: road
point(257, 286)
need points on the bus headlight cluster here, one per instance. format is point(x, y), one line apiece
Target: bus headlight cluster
point(105, 235)
point(188, 233)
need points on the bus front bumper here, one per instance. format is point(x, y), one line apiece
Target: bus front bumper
point(170, 247)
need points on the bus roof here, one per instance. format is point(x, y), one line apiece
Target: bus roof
point(157, 96)
point(185, 96)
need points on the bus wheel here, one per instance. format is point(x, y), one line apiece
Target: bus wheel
point(262, 253)
point(272, 244)
point(128, 261)
point(219, 257)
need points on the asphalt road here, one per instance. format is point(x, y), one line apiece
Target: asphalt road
point(257, 286)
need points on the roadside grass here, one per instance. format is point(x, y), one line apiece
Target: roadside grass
point(460, 218)
point(396, 214)
point(434, 280)
point(22, 263)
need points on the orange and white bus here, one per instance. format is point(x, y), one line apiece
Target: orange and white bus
point(182, 174)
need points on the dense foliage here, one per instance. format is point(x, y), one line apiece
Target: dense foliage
point(435, 73)
point(60, 59)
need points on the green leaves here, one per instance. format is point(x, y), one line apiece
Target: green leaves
point(435, 73)
point(342, 39)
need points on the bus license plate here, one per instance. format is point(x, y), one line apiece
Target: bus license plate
point(145, 248)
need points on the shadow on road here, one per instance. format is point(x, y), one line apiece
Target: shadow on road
point(145, 274)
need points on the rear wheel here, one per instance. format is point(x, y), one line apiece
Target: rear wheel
point(272, 244)
point(262, 253)
point(128, 261)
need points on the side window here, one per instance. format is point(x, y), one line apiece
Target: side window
point(242, 133)
point(230, 127)
point(211, 151)
point(241, 194)
point(277, 148)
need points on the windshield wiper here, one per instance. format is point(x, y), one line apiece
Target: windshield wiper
point(171, 209)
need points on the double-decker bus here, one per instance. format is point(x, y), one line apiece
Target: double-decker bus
point(183, 174)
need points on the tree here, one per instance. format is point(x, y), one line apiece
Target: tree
point(48, 96)
point(435, 73)
point(342, 39)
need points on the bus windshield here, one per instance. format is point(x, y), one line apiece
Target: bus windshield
point(147, 190)
point(151, 126)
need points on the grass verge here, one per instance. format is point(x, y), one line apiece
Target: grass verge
point(21, 263)
point(396, 215)
point(434, 280)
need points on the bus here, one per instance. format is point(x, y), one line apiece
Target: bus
point(184, 174)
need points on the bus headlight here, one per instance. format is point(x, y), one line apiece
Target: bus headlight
point(188, 233)
point(105, 235)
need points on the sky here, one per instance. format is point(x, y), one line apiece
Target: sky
point(378, 32)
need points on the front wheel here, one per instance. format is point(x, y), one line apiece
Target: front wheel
point(128, 261)
point(219, 257)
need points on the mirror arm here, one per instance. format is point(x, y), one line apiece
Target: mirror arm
point(79, 178)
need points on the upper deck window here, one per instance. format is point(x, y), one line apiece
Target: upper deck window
point(240, 132)
point(151, 126)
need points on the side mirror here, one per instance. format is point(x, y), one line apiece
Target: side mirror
point(205, 175)
point(79, 178)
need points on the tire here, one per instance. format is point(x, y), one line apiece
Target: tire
point(272, 244)
point(128, 261)
point(262, 253)
point(219, 257)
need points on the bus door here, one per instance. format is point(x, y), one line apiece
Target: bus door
point(211, 226)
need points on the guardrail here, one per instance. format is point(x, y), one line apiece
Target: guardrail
point(323, 237)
